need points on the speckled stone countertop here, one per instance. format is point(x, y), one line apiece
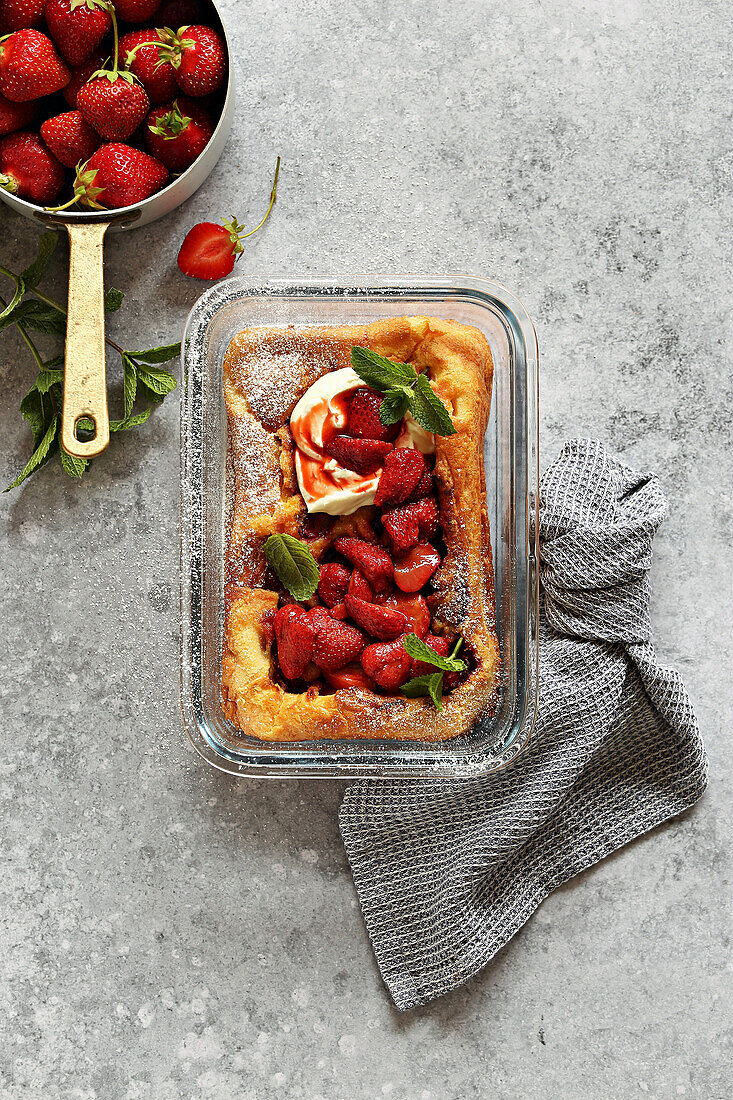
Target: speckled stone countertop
point(171, 933)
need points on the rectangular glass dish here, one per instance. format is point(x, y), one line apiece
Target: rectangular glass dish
point(511, 461)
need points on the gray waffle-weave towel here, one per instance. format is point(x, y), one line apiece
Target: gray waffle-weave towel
point(448, 871)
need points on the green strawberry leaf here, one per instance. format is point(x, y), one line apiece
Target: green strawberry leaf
point(381, 373)
point(422, 652)
point(294, 564)
point(431, 685)
point(429, 411)
point(41, 455)
point(35, 271)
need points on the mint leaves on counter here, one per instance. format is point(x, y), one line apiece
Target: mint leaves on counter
point(29, 310)
point(294, 564)
point(430, 683)
point(404, 391)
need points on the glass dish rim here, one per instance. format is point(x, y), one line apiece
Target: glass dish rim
point(361, 287)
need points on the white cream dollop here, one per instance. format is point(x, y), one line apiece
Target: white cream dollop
point(326, 486)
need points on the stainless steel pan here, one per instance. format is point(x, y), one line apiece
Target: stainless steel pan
point(85, 385)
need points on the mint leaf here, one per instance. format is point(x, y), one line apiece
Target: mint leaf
point(74, 467)
point(431, 685)
point(394, 406)
point(47, 378)
point(159, 381)
point(41, 318)
point(294, 564)
point(84, 424)
point(14, 301)
point(32, 410)
point(381, 373)
point(429, 411)
point(130, 421)
point(113, 299)
point(422, 652)
point(129, 384)
point(35, 271)
point(163, 354)
point(41, 455)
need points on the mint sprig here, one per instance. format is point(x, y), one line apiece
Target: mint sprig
point(404, 389)
point(30, 310)
point(294, 564)
point(430, 683)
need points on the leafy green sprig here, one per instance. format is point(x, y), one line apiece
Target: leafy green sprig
point(404, 391)
point(431, 683)
point(145, 381)
point(294, 564)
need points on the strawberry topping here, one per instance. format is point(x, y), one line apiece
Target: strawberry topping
point(416, 567)
point(388, 663)
point(374, 562)
point(360, 587)
point(333, 582)
point(361, 455)
point(363, 416)
point(349, 676)
point(379, 621)
point(296, 635)
point(401, 476)
point(414, 608)
point(337, 643)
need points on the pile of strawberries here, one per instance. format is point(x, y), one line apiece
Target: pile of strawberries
point(371, 594)
point(138, 105)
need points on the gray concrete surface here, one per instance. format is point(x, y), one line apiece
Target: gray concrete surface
point(168, 932)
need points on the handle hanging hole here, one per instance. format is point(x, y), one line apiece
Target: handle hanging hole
point(85, 429)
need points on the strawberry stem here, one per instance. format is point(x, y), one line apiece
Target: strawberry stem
point(273, 198)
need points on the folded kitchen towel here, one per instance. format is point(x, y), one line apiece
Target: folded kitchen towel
point(448, 870)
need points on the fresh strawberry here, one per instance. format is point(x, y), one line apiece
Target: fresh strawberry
point(28, 169)
point(401, 475)
point(360, 587)
point(14, 116)
point(295, 633)
point(179, 13)
point(139, 53)
point(178, 132)
point(365, 456)
point(349, 676)
point(332, 583)
point(437, 642)
point(198, 55)
point(16, 15)
point(414, 608)
point(136, 11)
point(379, 621)
point(77, 27)
point(362, 418)
point(117, 175)
point(30, 67)
point(337, 644)
point(408, 523)
point(80, 76)
point(374, 562)
point(114, 103)
point(70, 138)
point(388, 663)
point(416, 567)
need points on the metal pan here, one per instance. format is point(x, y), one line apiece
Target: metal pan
point(85, 384)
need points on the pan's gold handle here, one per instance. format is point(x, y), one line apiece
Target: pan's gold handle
point(85, 382)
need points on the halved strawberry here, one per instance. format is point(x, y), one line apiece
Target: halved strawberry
point(337, 643)
point(349, 676)
point(437, 642)
point(296, 636)
point(379, 621)
point(333, 582)
point(388, 663)
point(362, 418)
point(416, 567)
point(414, 608)
point(374, 562)
point(401, 475)
point(360, 587)
point(364, 456)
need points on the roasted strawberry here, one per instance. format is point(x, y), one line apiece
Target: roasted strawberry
point(362, 417)
point(416, 567)
point(70, 138)
point(379, 621)
point(139, 53)
point(349, 676)
point(15, 15)
point(14, 116)
point(414, 608)
point(441, 646)
point(117, 175)
point(80, 76)
point(295, 633)
point(136, 11)
point(360, 587)
point(387, 663)
point(338, 611)
point(77, 27)
point(30, 67)
point(178, 132)
point(424, 486)
point(402, 526)
point(374, 562)
point(28, 169)
point(332, 583)
point(337, 644)
point(401, 475)
point(364, 456)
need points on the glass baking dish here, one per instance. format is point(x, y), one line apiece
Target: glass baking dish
point(511, 460)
